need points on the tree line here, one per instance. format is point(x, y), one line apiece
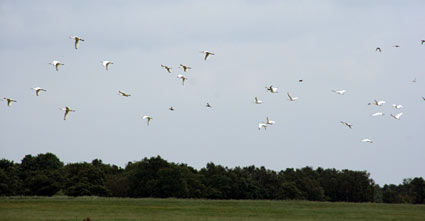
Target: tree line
point(46, 175)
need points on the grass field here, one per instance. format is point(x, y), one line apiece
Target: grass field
point(67, 208)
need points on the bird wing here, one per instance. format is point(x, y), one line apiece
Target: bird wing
point(66, 114)
point(77, 41)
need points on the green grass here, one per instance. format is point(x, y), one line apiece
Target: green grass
point(97, 208)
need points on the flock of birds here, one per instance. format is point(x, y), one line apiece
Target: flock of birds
point(56, 64)
point(207, 54)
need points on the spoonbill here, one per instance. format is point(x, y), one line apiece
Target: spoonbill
point(166, 68)
point(123, 94)
point(207, 54)
point(56, 64)
point(292, 98)
point(268, 121)
point(341, 92)
point(366, 140)
point(149, 118)
point(9, 101)
point(272, 89)
point(76, 41)
point(262, 125)
point(106, 64)
point(182, 77)
point(38, 89)
point(347, 124)
point(185, 68)
point(67, 110)
point(397, 116)
point(257, 101)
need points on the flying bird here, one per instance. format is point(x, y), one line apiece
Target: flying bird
point(77, 41)
point(347, 124)
point(257, 101)
point(106, 64)
point(56, 64)
point(300, 80)
point(123, 94)
point(341, 92)
point(377, 114)
point(397, 116)
point(268, 121)
point(9, 101)
point(396, 46)
point(38, 89)
point(292, 98)
point(397, 106)
point(208, 105)
point(67, 110)
point(207, 53)
point(367, 140)
point(272, 89)
point(171, 108)
point(377, 103)
point(166, 68)
point(185, 68)
point(262, 125)
point(378, 49)
point(182, 77)
point(149, 118)
point(422, 42)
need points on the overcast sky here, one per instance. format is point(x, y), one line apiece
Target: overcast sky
point(329, 44)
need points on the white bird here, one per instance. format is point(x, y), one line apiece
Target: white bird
point(292, 98)
point(182, 77)
point(262, 125)
point(397, 116)
point(166, 68)
point(272, 89)
point(56, 64)
point(185, 68)
point(9, 101)
point(347, 124)
point(341, 92)
point(257, 101)
point(377, 114)
point(149, 118)
point(367, 140)
point(378, 103)
point(208, 105)
point(77, 41)
point(38, 89)
point(123, 94)
point(268, 121)
point(397, 106)
point(106, 64)
point(67, 110)
point(207, 53)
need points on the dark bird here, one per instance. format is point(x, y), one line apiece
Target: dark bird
point(378, 49)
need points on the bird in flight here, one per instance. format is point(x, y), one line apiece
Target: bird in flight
point(257, 101)
point(149, 118)
point(56, 64)
point(262, 125)
point(77, 41)
point(171, 108)
point(208, 105)
point(207, 54)
point(272, 89)
point(185, 68)
point(67, 110)
point(268, 121)
point(377, 103)
point(396, 46)
point(292, 98)
point(182, 77)
point(378, 49)
point(38, 89)
point(422, 42)
point(347, 124)
point(123, 94)
point(377, 114)
point(341, 92)
point(166, 68)
point(106, 64)
point(367, 140)
point(397, 116)
point(9, 101)
point(397, 106)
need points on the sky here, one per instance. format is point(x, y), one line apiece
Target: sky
point(330, 45)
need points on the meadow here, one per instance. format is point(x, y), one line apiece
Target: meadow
point(99, 208)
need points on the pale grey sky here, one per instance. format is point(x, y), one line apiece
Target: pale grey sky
point(328, 44)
